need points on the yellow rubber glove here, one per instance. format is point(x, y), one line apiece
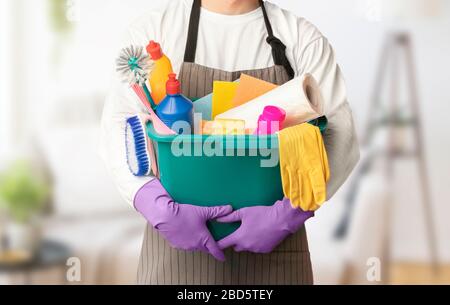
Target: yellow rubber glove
point(304, 166)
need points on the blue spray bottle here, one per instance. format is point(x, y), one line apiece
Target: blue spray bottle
point(176, 111)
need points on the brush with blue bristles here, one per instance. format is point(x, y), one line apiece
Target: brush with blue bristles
point(138, 147)
point(134, 66)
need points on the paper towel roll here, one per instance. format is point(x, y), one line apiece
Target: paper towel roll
point(300, 98)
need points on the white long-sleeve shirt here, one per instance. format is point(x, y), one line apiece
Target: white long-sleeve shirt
point(232, 43)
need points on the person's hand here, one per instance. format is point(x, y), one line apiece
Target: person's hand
point(263, 227)
point(182, 225)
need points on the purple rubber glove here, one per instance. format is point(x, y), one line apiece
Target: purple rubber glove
point(263, 228)
point(182, 225)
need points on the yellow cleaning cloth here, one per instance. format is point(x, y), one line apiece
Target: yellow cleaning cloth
point(304, 166)
point(228, 127)
point(223, 94)
point(250, 88)
point(223, 127)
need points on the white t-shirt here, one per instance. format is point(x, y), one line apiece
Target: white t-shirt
point(232, 43)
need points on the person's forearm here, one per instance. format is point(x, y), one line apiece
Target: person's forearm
point(296, 216)
point(151, 199)
point(342, 141)
point(182, 225)
point(112, 151)
point(340, 137)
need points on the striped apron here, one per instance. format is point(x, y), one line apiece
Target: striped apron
point(289, 264)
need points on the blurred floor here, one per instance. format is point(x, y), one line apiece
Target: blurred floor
point(408, 273)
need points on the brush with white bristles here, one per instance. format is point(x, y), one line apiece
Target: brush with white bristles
point(134, 66)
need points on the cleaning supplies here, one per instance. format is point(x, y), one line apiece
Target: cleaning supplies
point(223, 94)
point(140, 92)
point(134, 67)
point(158, 77)
point(176, 111)
point(304, 166)
point(271, 120)
point(300, 98)
point(159, 126)
point(228, 127)
point(223, 127)
point(206, 127)
point(137, 147)
point(250, 88)
point(203, 106)
point(218, 170)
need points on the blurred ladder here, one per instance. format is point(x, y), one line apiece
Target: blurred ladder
point(398, 44)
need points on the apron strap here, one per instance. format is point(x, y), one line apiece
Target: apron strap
point(278, 48)
point(191, 45)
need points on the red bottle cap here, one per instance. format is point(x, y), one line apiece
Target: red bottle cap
point(173, 86)
point(154, 50)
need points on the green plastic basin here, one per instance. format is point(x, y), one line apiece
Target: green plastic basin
point(243, 171)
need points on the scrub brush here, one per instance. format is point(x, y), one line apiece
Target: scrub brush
point(134, 66)
point(140, 157)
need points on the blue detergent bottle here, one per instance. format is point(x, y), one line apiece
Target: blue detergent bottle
point(176, 111)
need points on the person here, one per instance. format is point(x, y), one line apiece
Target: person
point(218, 40)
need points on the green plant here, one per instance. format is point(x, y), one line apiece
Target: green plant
point(22, 193)
point(57, 14)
